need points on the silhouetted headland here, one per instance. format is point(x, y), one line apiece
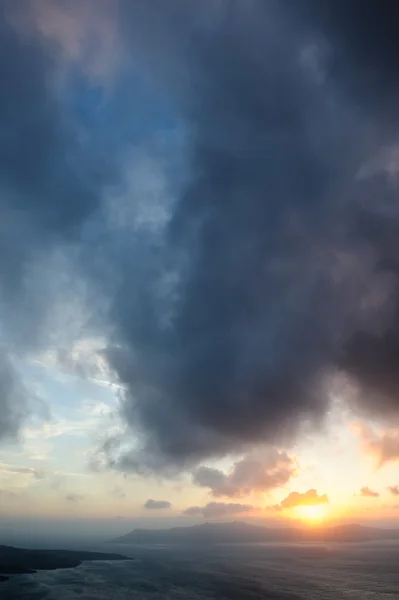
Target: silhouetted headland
point(20, 561)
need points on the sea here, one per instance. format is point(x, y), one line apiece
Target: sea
point(367, 571)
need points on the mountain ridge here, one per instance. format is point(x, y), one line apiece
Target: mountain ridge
point(241, 532)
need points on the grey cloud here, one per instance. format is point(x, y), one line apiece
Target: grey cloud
point(386, 447)
point(118, 492)
point(215, 510)
point(74, 497)
point(14, 399)
point(383, 446)
point(56, 481)
point(157, 504)
point(36, 473)
point(394, 490)
point(366, 492)
point(271, 470)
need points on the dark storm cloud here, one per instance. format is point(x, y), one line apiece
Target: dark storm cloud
point(283, 245)
point(273, 276)
point(248, 475)
point(40, 173)
point(365, 62)
point(365, 37)
point(227, 370)
point(48, 184)
point(157, 504)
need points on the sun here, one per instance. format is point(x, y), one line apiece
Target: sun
point(311, 514)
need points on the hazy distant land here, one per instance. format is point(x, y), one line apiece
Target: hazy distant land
point(20, 561)
point(239, 532)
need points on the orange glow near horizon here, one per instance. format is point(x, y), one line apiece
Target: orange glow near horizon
point(311, 514)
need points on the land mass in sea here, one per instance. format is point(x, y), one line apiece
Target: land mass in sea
point(240, 532)
point(22, 561)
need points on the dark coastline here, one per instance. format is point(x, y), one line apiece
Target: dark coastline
point(20, 561)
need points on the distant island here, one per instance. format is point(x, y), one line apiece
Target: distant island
point(239, 532)
point(20, 561)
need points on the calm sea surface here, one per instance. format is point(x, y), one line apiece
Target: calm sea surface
point(224, 572)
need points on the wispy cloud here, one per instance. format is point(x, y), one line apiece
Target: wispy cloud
point(366, 492)
point(118, 492)
point(13, 469)
point(157, 504)
point(10, 499)
point(214, 510)
point(85, 33)
point(383, 446)
point(74, 498)
point(84, 357)
point(394, 490)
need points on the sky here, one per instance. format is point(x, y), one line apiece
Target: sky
point(199, 291)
